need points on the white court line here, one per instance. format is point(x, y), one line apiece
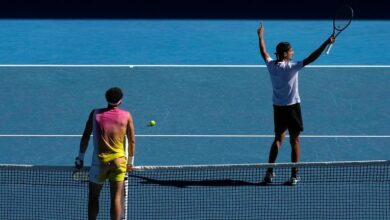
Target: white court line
point(201, 136)
point(184, 65)
point(269, 136)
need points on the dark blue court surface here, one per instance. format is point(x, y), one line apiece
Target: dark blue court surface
point(344, 109)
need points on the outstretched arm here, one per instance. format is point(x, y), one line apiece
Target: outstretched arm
point(263, 50)
point(313, 56)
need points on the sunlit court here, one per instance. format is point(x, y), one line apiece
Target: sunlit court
point(204, 92)
point(210, 114)
point(206, 114)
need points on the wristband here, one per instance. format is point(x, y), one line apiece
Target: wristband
point(81, 156)
point(130, 160)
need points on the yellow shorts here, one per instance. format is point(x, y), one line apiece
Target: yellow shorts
point(114, 170)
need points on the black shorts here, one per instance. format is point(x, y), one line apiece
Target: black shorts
point(288, 117)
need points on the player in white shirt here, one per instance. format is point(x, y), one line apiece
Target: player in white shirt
point(286, 101)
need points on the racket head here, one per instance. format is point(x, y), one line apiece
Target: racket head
point(343, 18)
point(80, 175)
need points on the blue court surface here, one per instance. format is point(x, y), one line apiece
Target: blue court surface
point(203, 82)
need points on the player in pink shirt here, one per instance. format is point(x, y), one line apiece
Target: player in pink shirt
point(109, 126)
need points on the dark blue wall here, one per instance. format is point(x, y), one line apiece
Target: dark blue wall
point(198, 9)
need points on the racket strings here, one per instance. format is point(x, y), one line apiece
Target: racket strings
point(343, 18)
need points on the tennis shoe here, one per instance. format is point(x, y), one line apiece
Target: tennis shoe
point(269, 176)
point(294, 180)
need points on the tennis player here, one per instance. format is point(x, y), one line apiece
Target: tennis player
point(110, 126)
point(286, 101)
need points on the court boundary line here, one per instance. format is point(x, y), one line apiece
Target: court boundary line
point(208, 166)
point(183, 65)
point(195, 136)
point(263, 165)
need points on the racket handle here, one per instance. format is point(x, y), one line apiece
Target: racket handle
point(329, 47)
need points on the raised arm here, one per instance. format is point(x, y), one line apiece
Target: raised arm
point(130, 133)
point(263, 50)
point(313, 56)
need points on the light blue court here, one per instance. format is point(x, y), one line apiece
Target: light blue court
point(184, 41)
point(204, 114)
point(202, 81)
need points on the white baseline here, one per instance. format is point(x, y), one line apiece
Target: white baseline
point(183, 65)
point(194, 136)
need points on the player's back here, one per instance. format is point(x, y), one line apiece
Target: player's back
point(109, 132)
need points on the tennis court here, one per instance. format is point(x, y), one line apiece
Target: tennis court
point(206, 115)
point(211, 100)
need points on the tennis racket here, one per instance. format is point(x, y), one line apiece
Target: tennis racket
point(80, 175)
point(124, 197)
point(341, 21)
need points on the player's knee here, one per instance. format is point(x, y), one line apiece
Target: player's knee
point(279, 139)
point(294, 139)
point(277, 143)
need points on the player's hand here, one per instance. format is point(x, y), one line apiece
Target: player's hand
point(260, 30)
point(78, 163)
point(331, 39)
point(129, 167)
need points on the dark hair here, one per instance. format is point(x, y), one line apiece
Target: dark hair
point(114, 95)
point(281, 48)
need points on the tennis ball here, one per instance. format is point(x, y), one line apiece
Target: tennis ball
point(152, 123)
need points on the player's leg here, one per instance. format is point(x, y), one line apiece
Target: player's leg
point(117, 177)
point(295, 147)
point(273, 154)
point(295, 150)
point(97, 176)
point(276, 144)
point(295, 156)
point(116, 190)
point(295, 127)
point(280, 127)
point(93, 200)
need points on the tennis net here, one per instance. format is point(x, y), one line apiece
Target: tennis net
point(46, 192)
point(327, 190)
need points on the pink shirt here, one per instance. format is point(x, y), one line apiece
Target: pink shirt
point(109, 133)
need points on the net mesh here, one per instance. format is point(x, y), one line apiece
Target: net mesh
point(350, 190)
point(326, 191)
point(28, 192)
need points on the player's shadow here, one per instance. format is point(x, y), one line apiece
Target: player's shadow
point(206, 182)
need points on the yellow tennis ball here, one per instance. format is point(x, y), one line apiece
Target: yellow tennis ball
point(152, 123)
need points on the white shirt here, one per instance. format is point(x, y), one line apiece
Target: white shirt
point(284, 78)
